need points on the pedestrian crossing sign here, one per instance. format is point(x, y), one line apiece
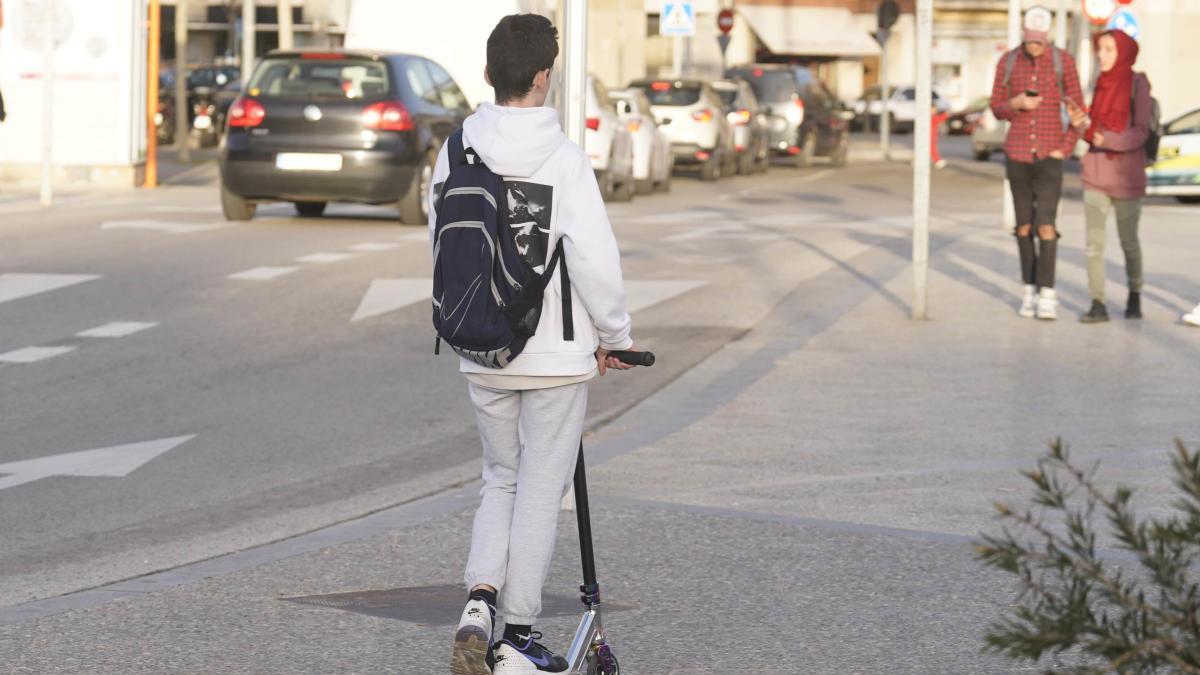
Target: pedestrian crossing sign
point(677, 18)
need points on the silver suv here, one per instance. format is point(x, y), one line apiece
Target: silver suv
point(692, 116)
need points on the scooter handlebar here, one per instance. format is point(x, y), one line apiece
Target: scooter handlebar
point(633, 358)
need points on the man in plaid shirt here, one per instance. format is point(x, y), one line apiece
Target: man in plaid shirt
point(1028, 94)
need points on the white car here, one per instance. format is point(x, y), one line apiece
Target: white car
point(652, 158)
point(1177, 171)
point(608, 144)
point(692, 115)
point(901, 107)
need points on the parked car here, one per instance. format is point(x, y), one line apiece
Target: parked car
point(608, 144)
point(963, 122)
point(1176, 173)
point(355, 126)
point(901, 108)
point(691, 114)
point(751, 139)
point(652, 158)
point(804, 119)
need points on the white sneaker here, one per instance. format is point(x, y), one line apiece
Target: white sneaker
point(1027, 302)
point(509, 661)
point(1192, 317)
point(472, 641)
point(1047, 305)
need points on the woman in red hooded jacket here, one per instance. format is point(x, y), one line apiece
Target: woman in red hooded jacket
point(1114, 169)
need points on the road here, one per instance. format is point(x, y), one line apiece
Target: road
point(279, 374)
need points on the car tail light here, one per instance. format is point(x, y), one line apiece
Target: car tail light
point(702, 155)
point(739, 148)
point(739, 117)
point(246, 112)
point(322, 56)
point(634, 125)
point(758, 72)
point(705, 115)
point(793, 150)
point(795, 112)
point(660, 86)
point(201, 109)
point(387, 116)
point(593, 123)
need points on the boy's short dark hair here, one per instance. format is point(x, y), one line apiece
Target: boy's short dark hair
point(520, 46)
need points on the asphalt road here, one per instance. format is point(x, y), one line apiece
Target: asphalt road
point(280, 372)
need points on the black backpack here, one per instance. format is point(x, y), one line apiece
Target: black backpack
point(487, 299)
point(1155, 126)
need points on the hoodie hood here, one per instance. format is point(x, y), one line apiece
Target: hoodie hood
point(513, 141)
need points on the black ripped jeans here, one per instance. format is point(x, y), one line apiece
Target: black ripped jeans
point(1036, 191)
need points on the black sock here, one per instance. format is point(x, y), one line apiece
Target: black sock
point(1028, 260)
point(1047, 256)
point(518, 634)
point(487, 596)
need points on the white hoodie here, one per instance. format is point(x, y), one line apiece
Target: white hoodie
point(552, 194)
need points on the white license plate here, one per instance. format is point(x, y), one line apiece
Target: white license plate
point(202, 122)
point(308, 161)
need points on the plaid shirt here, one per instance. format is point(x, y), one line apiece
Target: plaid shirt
point(1035, 134)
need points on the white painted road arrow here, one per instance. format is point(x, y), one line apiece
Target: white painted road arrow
point(389, 295)
point(115, 462)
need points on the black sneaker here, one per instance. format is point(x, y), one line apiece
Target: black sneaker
point(543, 659)
point(1133, 308)
point(1097, 314)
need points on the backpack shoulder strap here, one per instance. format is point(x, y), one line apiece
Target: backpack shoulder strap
point(1056, 56)
point(454, 151)
point(1010, 62)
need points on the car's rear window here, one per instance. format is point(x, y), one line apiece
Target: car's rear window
point(321, 77)
point(670, 93)
point(771, 86)
point(728, 96)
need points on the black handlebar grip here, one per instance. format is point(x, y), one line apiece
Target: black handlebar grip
point(634, 358)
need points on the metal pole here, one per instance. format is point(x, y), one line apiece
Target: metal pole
point(248, 35)
point(575, 69)
point(286, 37)
point(152, 51)
point(1014, 41)
point(921, 155)
point(48, 104)
point(183, 115)
point(1060, 25)
point(885, 118)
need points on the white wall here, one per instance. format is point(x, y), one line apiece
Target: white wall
point(99, 88)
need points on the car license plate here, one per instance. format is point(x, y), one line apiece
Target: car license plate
point(202, 122)
point(308, 161)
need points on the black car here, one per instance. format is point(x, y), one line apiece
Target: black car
point(317, 127)
point(804, 119)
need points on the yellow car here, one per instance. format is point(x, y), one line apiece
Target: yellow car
point(1176, 173)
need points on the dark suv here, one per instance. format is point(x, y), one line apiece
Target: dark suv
point(316, 127)
point(804, 119)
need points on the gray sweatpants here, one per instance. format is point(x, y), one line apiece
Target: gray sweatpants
point(1096, 206)
point(530, 444)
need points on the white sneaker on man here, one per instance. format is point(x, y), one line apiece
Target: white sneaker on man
point(1027, 302)
point(473, 641)
point(509, 661)
point(1047, 305)
point(1192, 317)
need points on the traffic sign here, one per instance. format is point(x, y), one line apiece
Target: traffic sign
point(1124, 20)
point(1099, 11)
point(725, 20)
point(677, 19)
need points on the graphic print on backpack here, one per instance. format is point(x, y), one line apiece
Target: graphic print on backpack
point(489, 260)
point(529, 208)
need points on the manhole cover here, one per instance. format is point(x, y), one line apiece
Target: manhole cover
point(430, 605)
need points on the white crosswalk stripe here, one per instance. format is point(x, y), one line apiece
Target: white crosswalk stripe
point(116, 329)
point(17, 285)
point(263, 273)
point(33, 354)
point(324, 257)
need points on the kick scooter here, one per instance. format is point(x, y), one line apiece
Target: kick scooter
point(590, 654)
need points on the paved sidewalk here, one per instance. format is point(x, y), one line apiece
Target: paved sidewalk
point(804, 501)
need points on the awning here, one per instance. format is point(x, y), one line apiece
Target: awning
point(809, 31)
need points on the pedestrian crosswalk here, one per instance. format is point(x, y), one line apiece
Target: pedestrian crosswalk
point(14, 286)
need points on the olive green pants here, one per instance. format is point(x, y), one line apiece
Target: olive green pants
point(1096, 206)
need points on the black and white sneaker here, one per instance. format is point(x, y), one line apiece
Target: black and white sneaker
point(472, 653)
point(527, 656)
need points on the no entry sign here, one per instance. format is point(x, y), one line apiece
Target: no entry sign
point(725, 20)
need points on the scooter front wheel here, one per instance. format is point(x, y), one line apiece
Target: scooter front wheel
point(603, 662)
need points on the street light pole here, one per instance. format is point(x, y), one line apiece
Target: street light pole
point(921, 158)
point(152, 51)
point(574, 69)
point(1014, 41)
point(48, 104)
point(286, 38)
point(182, 114)
point(248, 35)
point(885, 117)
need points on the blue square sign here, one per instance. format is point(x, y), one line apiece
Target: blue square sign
point(677, 18)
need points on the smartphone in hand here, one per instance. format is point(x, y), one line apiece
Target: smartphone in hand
point(1031, 93)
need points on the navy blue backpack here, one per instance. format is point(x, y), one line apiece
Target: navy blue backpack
point(487, 299)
